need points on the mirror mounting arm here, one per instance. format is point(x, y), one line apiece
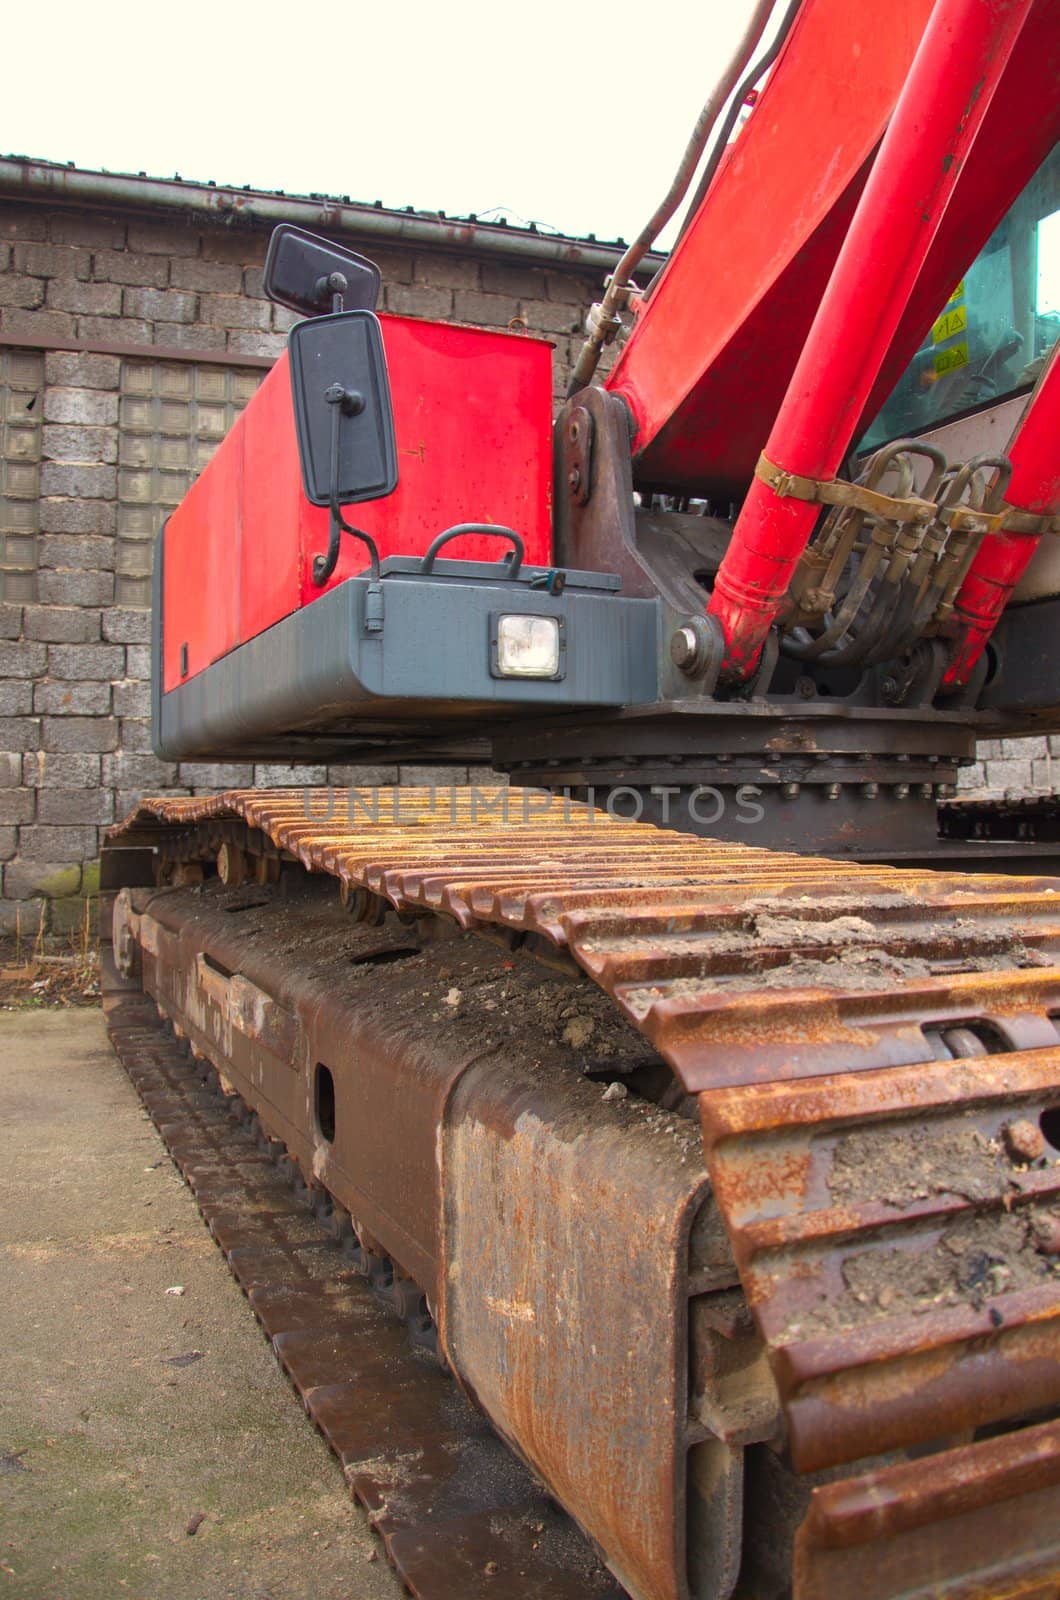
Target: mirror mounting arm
point(334, 286)
point(349, 403)
point(345, 430)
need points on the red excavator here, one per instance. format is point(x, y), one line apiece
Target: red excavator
point(692, 1097)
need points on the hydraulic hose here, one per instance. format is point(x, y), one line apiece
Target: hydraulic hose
point(603, 320)
point(721, 143)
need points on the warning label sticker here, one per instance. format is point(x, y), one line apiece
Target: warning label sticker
point(955, 356)
point(950, 322)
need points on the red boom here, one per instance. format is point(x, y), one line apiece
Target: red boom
point(960, 61)
point(1002, 558)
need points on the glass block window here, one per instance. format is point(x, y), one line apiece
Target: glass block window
point(21, 403)
point(172, 417)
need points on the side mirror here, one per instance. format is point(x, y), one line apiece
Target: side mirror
point(314, 276)
point(342, 409)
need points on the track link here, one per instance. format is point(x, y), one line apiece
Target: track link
point(459, 1516)
point(875, 1060)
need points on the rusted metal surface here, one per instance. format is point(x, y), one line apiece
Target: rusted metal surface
point(878, 1079)
point(904, 1530)
point(457, 1513)
point(896, 1255)
point(740, 965)
point(995, 816)
point(567, 1285)
point(567, 1246)
point(382, 1162)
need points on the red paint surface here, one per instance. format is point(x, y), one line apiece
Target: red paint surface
point(958, 65)
point(1002, 558)
point(1010, 148)
point(472, 416)
point(708, 362)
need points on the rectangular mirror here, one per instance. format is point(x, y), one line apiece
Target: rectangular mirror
point(342, 408)
point(305, 272)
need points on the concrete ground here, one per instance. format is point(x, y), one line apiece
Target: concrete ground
point(127, 1412)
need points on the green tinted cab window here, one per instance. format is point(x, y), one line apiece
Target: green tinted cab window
point(1000, 322)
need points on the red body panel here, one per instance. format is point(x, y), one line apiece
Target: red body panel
point(472, 416)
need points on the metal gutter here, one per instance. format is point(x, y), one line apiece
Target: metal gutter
point(73, 186)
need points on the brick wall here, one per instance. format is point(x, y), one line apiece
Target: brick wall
point(97, 445)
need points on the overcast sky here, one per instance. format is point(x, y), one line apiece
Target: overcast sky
point(571, 115)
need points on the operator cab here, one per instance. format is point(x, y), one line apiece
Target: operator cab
point(990, 340)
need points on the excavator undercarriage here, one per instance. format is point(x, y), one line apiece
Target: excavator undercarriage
point(725, 1182)
point(722, 1179)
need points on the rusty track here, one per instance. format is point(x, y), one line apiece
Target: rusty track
point(877, 1069)
point(460, 1518)
point(994, 815)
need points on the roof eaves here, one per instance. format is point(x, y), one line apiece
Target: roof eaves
point(227, 206)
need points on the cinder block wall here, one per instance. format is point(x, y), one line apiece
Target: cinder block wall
point(97, 443)
point(1016, 766)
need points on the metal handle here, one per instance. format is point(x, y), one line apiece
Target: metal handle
point(515, 561)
